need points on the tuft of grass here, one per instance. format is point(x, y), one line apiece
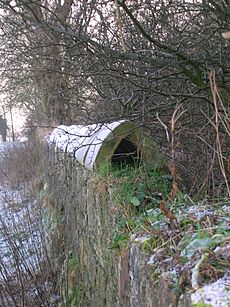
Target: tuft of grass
point(137, 194)
point(21, 164)
point(201, 304)
point(149, 245)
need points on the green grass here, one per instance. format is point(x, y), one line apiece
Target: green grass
point(137, 192)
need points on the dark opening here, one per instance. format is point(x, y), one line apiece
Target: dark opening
point(125, 153)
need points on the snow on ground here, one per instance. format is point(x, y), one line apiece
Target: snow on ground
point(216, 294)
point(5, 145)
point(19, 233)
point(22, 247)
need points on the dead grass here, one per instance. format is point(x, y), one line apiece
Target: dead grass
point(26, 271)
point(21, 164)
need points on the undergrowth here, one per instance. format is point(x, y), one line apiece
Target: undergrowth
point(138, 192)
point(166, 225)
point(26, 270)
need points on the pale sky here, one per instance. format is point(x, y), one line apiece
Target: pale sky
point(19, 118)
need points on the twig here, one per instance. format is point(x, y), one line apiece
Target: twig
point(165, 127)
point(216, 98)
point(195, 271)
point(119, 24)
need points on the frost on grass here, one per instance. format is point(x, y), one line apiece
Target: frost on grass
point(216, 294)
point(194, 253)
point(19, 233)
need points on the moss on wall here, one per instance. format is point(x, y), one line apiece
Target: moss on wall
point(82, 213)
point(94, 217)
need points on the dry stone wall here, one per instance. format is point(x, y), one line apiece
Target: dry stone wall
point(92, 273)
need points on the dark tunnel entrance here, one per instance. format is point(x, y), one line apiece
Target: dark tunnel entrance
point(126, 153)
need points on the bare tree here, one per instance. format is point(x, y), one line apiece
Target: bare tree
point(102, 60)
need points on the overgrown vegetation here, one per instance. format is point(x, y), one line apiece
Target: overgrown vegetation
point(95, 218)
point(175, 232)
point(150, 62)
point(137, 194)
point(83, 62)
point(26, 269)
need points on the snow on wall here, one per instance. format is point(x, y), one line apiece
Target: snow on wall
point(84, 142)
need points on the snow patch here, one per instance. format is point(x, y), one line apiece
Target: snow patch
point(216, 294)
